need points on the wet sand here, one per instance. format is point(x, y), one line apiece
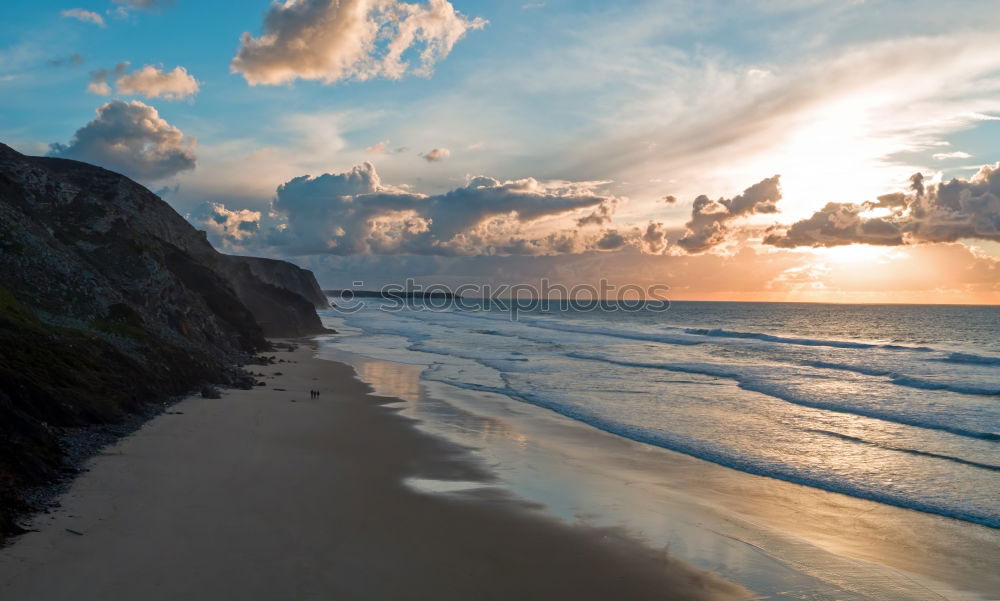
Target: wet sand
point(781, 540)
point(270, 494)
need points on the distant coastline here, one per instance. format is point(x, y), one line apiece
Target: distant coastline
point(391, 294)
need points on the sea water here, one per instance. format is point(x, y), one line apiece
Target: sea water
point(896, 404)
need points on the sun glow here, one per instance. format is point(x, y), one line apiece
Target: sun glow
point(857, 254)
point(837, 154)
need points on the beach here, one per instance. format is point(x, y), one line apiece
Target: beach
point(685, 301)
point(271, 494)
point(778, 454)
point(780, 540)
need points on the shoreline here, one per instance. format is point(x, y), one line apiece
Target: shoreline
point(267, 493)
point(848, 547)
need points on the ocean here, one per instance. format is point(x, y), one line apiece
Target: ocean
point(898, 404)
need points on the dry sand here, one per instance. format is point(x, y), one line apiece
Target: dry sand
point(254, 496)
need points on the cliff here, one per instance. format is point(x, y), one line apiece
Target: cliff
point(109, 301)
point(281, 296)
point(290, 277)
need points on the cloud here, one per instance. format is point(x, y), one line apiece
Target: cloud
point(355, 213)
point(709, 227)
point(335, 40)
point(99, 79)
point(436, 155)
point(165, 191)
point(378, 147)
point(654, 238)
point(844, 103)
point(611, 240)
point(74, 60)
point(929, 273)
point(669, 199)
point(940, 156)
point(143, 4)
point(837, 224)
point(651, 239)
point(131, 138)
point(599, 216)
point(83, 15)
point(148, 81)
point(98, 86)
point(942, 212)
point(154, 83)
point(233, 228)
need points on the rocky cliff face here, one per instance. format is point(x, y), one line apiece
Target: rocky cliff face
point(290, 277)
point(281, 296)
point(109, 300)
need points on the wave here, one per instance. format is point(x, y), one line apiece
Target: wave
point(748, 383)
point(909, 381)
point(720, 333)
point(971, 359)
point(704, 450)
point(615, 333)
point(688, 336)
point(695, 336)
point(952, 458)
point(904, 380)
point(780, 369)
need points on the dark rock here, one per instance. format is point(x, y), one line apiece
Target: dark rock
point(111, 302)
point(210, 392)
point(282, 275)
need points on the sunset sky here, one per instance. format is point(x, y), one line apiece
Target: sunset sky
point(744, 150)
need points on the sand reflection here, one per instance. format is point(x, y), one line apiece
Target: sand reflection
point(780, 539)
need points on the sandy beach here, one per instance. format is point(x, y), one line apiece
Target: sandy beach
point(617, 300)
point(779, 539)
point(271, 494)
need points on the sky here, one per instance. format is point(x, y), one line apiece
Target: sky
point(756, 150)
